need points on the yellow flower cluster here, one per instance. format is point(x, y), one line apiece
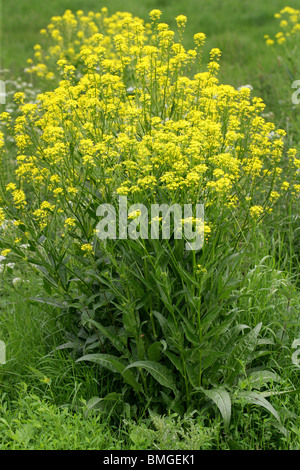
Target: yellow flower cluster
point(87, 249)
point(256, 211)
point(135, 122)
point(289, 22)
point(2, 216)
point(83, 39)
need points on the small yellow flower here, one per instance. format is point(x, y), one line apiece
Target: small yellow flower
point(5, 252)
point(256, 211)
point(134, 214)
point(283, 24)
point(19, 198)
point(199, 39)
point(11, 187)
point(155, 15)
point(2, 216)
point(285, 185)
point(181, 21)
point(69, 223)
point(87, 248)
point(201, 269)
point(58, 191)
point(19, 97)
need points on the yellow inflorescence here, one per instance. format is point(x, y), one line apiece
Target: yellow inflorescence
point(289, 23)
point(128, 118)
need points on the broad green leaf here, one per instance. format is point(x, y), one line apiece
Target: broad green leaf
point(48, 301)
point(190, 334)
point(176, 361)
point(261, 377)
point(69, 345)
point(240, 353)
point(164, 297)
point(283, 392)
point(47, 286)
point(234, 445)
point(106, 360)
point(102, 404)
point(160, 373)
point(171, 332)
point(209, 357)
point(2, 352)
point(115, 365)
point(154, 351)
point(165, 326)
point(92, 403)
point(114, 339)
point(216, 331)
point(95, 401)
point(113, 396)
point(130, 323)
point(193, 372)
point(183, 273)
point(257, 399)
point(222, 399)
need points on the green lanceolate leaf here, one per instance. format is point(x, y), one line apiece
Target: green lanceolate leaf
point(159, 372)
point(257, 399)
point(163, 322)
point(222, 399)
point(190, 334)
point(115, 365)
point(241, 352)
point(193, 372)
point(96, 402)
point(154, 351)
point(92, 403)
point(283, 392)
point(176, 361)
point(69, 345)
point(261, 377)
point(114, 339)
point(48, 301)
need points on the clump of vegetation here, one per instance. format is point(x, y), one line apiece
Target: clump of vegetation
point(160, 322)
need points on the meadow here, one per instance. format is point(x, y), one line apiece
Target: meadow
point(139, 344)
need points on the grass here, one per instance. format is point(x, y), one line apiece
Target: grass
point(23, 423)
point(41, 386)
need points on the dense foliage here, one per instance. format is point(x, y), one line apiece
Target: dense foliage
point(135, 114)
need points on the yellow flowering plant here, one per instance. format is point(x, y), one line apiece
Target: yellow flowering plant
point(286, 40)
point(285, 46)
point(127, 119)
point(75, 38)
